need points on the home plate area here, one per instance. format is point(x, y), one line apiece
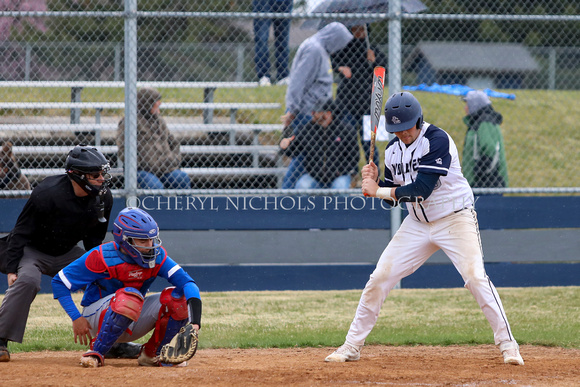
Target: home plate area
point(379, 365)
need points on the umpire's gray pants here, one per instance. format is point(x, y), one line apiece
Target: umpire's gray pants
point(18, 298)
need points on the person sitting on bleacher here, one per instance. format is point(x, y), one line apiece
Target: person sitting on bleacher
point(158, 152)
point(329, 148)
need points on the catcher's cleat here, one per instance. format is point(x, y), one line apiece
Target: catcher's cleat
point(148, 361)
point(92, 359)
point(511, 353)
point(345, 352)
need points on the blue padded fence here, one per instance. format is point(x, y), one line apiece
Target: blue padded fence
point(324, 212)
point(302, 213)
point(214, 278)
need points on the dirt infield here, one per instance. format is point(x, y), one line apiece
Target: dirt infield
point(391, 366)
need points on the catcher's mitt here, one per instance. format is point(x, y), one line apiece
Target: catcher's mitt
point(181, 348)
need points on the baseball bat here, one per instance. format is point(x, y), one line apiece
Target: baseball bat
point(376, 105)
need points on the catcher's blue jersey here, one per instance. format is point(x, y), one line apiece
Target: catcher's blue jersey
point(103, 271)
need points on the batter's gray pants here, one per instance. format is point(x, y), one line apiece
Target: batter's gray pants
point(18, 298)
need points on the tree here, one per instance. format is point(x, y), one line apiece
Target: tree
point(8, 24)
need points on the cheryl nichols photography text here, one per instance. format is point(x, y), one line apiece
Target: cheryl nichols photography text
point(272, 203)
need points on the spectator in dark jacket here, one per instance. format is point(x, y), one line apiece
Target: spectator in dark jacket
point(329, 147)
point(355, 64)
point(158, 152)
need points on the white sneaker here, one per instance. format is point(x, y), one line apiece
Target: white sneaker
point(511, 353)
point(283, 82)
point(345, 352)
point(264, 81)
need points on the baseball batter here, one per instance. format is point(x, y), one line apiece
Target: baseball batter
point(422, 170)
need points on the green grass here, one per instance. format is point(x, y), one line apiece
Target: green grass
point(540, 126)
point(548, 316)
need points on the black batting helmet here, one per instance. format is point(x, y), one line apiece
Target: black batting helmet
point(402, 112)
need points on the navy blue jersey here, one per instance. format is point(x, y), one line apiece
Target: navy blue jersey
point(432, 152)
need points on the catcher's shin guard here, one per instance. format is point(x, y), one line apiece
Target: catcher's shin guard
point(172, 316)
point(125, 307)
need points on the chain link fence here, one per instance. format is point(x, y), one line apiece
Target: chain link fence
point(91, 71)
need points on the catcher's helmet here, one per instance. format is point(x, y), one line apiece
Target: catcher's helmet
point(84, 159)
point(402, 112)
point(136, 223)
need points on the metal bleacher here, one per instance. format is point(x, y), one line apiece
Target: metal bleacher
point(229, 140)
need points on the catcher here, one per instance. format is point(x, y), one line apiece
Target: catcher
point(117, 276)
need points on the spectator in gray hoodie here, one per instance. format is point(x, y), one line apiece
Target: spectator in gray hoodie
point(310, 81)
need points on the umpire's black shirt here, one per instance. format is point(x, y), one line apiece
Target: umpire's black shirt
point(54, 220)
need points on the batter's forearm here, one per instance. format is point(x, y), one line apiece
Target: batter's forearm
point(422, 188)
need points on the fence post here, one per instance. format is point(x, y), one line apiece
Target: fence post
point(131, 101)
point(395, 84)
point(27, 60)
point(552, 69)
point(240, 68)
point(75, 96)
point(97, 131)
point(117, 62)
point(208, 94)
point(233, 113)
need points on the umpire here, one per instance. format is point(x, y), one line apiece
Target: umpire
point(61, 211)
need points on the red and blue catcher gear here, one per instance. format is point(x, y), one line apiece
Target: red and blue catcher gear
point(173, 315)
point(124, 308)
point(136, 223)
point(127, 302)
point(110, 271)
point(103, 271)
